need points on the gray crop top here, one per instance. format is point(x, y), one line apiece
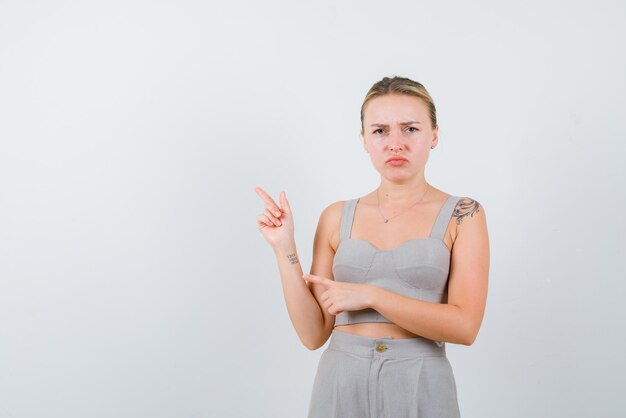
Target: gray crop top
point(417, 268)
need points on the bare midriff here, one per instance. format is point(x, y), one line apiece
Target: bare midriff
point(376, 330)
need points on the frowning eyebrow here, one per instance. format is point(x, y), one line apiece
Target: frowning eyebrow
point(401, 123)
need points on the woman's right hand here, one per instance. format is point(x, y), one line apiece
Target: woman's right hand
point(276, 223)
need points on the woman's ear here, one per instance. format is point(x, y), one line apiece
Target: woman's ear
point(435, 140)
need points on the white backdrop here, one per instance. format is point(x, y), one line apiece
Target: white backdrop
point(133, 279)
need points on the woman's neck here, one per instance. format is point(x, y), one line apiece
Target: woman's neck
point(399, 193)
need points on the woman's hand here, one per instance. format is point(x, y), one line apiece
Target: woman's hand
point(276, 223)
point(342, 296)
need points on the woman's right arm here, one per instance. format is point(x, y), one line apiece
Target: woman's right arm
point(312, 324)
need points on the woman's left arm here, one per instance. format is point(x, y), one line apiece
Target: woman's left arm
point(459, 320)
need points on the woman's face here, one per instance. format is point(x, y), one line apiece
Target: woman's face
point(398, 125)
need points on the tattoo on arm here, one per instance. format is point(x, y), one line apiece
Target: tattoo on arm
point(464, 207)
point(293, 258)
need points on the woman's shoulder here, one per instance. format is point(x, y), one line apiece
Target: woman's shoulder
point(468, 218)
point(330, 221)
point(334, 209)
point(332, 213)
point(466, 206)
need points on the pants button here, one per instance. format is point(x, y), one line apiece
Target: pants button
point(380, 347)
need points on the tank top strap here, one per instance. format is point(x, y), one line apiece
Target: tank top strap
point(347, 217)
point(439, 229)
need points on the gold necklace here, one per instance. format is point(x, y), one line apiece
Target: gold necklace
point(388, 219)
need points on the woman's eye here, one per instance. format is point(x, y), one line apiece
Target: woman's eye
point(411, 127)
point(379, 129)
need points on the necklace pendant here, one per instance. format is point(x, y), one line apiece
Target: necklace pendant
point(386, 220)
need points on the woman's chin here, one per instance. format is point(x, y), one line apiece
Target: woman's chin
point(399, 177)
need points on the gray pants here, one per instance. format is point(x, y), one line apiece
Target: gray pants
point(363, 377)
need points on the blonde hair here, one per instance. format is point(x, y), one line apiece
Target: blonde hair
point(400, 85)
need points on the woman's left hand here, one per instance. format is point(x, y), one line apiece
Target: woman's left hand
point(341, 296)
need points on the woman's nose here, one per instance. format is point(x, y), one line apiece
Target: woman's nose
point(395, 139)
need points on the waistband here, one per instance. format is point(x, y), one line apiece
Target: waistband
point(385, 346)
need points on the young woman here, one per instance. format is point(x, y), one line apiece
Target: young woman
point(396, 273)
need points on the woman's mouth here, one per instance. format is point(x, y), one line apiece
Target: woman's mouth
point(397, 162)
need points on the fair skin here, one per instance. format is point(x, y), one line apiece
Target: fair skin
point(393, 125)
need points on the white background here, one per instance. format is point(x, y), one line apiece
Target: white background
point(133, 279)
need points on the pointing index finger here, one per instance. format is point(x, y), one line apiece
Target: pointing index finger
point(316, 279)
point(268, 199)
